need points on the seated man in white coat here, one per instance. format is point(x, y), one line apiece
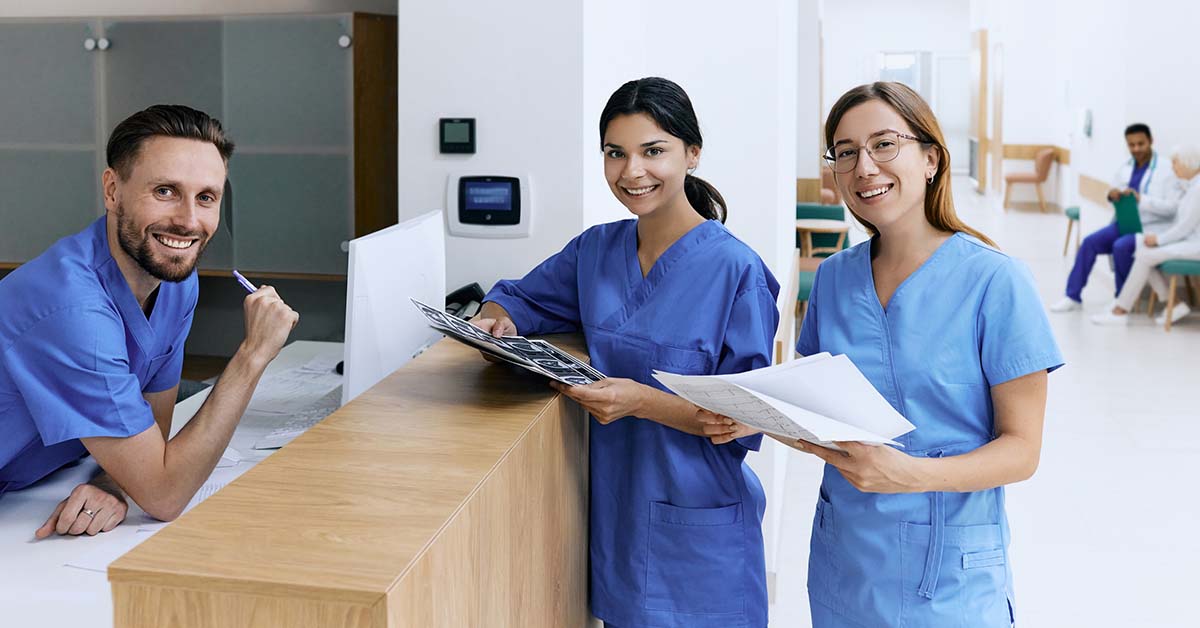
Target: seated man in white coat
point(1180, 241)
point(1157, 191)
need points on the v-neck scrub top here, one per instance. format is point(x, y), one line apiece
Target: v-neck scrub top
point(77, 353)
point(966, 320)
point(675, 521)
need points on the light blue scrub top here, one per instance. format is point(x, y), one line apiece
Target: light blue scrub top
point(76, 354)
point(676, 522)
point(966, 320)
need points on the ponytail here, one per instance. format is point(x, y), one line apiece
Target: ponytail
point(704, 198)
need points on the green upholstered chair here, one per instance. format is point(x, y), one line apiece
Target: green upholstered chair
point(1176, 268)
point(1072, 223)
point(824, 212)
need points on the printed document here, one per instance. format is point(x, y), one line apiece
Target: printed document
point(819, 398)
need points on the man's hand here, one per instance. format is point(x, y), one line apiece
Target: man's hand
point(1114, 194)
point(268, 322)
point(1151, 240)
point(88, 510)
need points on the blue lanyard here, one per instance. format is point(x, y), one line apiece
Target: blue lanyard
point(1149, 175)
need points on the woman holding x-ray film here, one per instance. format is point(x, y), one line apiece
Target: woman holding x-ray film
point(952, 333)
point(676, 521)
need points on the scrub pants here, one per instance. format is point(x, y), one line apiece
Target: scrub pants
point(1103, 242)
point(1145, 270)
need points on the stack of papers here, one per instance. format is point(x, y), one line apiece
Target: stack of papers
point(819, 399)
point(538, 356)
point(295, 390)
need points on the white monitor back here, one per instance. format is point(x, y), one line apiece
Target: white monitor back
point(383, 329)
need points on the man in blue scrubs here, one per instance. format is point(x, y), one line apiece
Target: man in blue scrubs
point(92, 333)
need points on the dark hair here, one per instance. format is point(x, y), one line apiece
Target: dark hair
point(671, 109)
point(939, 206)
point(163, 120)
point(1138, 127)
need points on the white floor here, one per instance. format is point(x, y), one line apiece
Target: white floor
point(1107, 533)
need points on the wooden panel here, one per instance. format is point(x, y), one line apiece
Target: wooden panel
point(1030, 151)
point(493, 562)
point(979, 102)
point(376, 184)
point(789, 292)
point(148, 606)
point(808, 190)
point(340, 516)
point(252, 274)
point(201, 367)
point(1094, 190)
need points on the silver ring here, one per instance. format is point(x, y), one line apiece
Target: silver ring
point(90, 513)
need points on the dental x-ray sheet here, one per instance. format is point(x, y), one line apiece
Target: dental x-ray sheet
point(819, 398)
point(538, 356)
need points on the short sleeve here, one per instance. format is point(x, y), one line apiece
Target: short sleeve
point(809, 343)
point(72, 370)
point(545, 301)
point(171, 367)
point(749, 337)
point(1013, 331)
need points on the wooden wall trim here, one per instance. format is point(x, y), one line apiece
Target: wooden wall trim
point(1030, 151)
point(808, 190)
point(376, 123)
point(1094, 190)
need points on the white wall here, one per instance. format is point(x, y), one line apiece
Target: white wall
point(614, 52)
point(1125, 60)
point(516, 68)
point(536, 76)
point(808, 89)
point(856, 31)
point(87, 8)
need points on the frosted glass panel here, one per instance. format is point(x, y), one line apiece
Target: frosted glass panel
point(155, 62)
point(47, 93)
point(44, 196)
point(289, 83)
point(290, 212)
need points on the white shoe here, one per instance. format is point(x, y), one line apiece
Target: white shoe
point(1179, 311)
point(1066, 304)
point(1108, 318)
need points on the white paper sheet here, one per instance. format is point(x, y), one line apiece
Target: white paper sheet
point(819, 399)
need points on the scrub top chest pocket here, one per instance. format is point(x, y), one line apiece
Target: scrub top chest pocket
point(679, 361)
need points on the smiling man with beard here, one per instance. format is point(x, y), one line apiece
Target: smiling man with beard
point(92, 333)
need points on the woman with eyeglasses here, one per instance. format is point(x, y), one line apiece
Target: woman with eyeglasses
point(950, 331)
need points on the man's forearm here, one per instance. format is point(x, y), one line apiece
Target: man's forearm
point(190, 457)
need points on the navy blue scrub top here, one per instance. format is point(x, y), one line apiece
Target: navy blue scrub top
point(676, 522)
point(77, 353)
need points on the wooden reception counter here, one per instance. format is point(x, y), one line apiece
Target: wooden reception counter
point(453, 493)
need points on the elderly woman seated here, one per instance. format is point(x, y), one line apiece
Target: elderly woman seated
point(1180, 241)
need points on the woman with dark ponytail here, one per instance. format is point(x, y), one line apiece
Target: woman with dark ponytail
point(676, 521)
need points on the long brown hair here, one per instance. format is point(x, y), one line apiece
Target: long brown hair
point(939, 205)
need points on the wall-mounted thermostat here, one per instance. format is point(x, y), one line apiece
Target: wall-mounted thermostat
point(488, 206)
point(456, 135)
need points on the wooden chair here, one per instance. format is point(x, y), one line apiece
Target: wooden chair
point(1072, 222)
point(1041, 172)
point(1176, 268)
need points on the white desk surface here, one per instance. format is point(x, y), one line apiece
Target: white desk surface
point(36, 586)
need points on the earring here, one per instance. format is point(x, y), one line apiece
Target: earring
point(691, 170)
point(929, 181)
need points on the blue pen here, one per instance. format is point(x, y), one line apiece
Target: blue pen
point(245, 283)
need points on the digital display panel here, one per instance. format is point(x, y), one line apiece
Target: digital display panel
point(488, 196)
point(457, 132)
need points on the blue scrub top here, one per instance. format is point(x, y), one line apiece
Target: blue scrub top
point(966, 320)
point(676, 522)
point(77, 353)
